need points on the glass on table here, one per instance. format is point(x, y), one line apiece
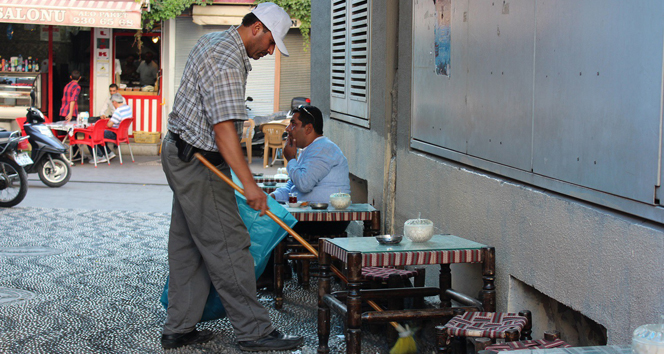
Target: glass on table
point(292, 198)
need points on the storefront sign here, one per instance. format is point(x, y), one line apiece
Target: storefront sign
point(109, 14)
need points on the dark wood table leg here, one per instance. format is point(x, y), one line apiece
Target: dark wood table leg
point(445, 282)
point(324, 287)
point(372, 227)
point(354, 303)
point(305, 273)
point(488, 292)
point(279, 252)
point(442, 340)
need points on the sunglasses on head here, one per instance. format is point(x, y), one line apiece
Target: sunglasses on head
point(299, 109)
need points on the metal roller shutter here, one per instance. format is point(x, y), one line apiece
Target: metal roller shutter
point(260, 84)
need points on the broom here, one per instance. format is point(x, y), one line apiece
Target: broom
point(404, 345)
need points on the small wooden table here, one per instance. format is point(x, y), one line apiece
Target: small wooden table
point(360, 252)
point(355, 212)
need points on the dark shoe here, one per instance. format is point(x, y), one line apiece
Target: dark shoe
point(265, 283)
point(170, 341)
point(273, 341)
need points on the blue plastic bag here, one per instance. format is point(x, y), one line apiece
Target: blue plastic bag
point(265, 235)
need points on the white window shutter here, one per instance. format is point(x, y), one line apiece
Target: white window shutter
point(350, 58)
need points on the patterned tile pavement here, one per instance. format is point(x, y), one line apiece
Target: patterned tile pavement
point(89, 281)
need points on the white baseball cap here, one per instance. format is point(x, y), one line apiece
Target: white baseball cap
point(276, 20)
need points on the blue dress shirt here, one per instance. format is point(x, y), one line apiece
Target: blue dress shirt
point(320, 170)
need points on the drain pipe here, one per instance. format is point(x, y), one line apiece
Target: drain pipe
point(390, 163)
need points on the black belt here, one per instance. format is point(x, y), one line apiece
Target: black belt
point(186, 151)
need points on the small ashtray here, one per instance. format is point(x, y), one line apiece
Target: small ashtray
point(269, 184)
point(389, 239)
point(294, 205)
point(318, 205)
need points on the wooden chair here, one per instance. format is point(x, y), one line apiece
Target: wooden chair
point(274, 140)
point(247, 135)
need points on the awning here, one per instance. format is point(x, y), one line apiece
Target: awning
point(225, 15)
point(80, 13)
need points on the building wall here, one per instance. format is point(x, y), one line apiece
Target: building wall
point(604, 264)
point(295, 76)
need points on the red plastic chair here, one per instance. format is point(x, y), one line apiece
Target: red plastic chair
point(122, 136)
point(23, 145)
point(92, 137)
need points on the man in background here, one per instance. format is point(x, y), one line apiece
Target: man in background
point(70, 94)
point(147, 70)
point(109, 107)
point(321, 169)
point(121, 111)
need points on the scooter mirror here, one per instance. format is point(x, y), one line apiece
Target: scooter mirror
point(32, 98)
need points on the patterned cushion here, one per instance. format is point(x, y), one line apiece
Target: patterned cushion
point(485, 324)
point(529, 344)
point(383, 274)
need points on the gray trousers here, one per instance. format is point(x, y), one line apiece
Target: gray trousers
point(208, 242)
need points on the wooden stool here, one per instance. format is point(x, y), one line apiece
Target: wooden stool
point(493, 325)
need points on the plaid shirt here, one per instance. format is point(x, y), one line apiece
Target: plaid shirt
point(212, 89)
point(69, 95)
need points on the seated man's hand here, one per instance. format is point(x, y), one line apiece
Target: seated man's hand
point(103, 117)
point(290, 150)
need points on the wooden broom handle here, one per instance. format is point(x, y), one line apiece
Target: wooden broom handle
point(295, 235)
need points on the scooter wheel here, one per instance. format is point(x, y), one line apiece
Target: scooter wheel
point(13, 183)
point(56, 174)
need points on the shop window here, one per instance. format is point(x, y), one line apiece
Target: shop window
point(136, 70)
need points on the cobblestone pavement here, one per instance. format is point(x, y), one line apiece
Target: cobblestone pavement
point(89, 281)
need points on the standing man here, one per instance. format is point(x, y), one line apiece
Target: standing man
point(208, 242)
point(109, 107)
point(148, 70)
point(70, 94)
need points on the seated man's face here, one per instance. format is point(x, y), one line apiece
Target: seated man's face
point(297, 131)
point(113, 90)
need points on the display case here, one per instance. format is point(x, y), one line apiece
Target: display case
point(15, 88)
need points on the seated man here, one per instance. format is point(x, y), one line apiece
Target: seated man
point(122, 112)
point(321, 169)
point(109, 108)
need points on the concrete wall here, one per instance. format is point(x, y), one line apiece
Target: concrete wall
point(606, 265)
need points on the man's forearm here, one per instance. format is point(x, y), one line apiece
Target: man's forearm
point(231, 150)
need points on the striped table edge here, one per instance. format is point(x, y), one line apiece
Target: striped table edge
point(408, 258)
point(333, 216)
point(271, 179)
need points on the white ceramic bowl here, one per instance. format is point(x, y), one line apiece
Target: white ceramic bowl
point(418, 230)
point(340, 201)
point(294, 205)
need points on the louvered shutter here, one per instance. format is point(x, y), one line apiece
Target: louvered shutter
point(350, 58)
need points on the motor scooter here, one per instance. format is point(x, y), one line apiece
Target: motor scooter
point(48, 152)
point(13, 178)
